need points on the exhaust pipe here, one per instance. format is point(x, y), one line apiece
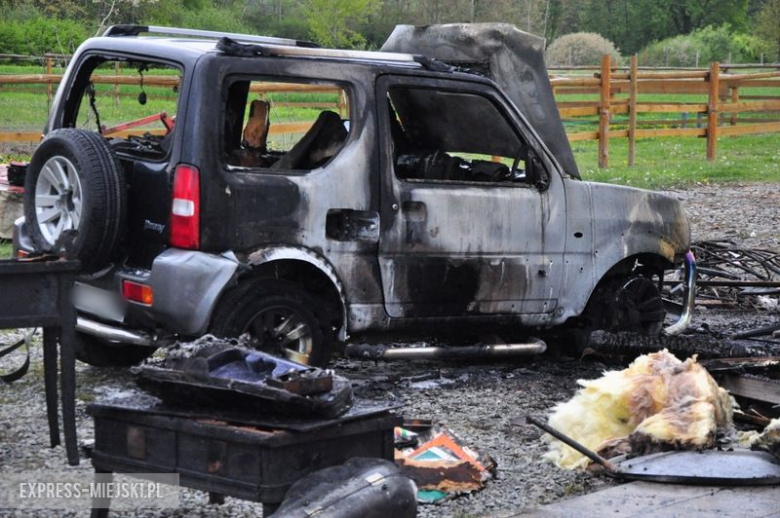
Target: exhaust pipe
point(114, 334)
point(534, 347)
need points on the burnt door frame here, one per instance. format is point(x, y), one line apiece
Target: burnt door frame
point(497, 268)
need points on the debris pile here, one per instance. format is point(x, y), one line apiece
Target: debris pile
point(730, 276)
point(439, 463)
point(769, 439)
point(658, 403)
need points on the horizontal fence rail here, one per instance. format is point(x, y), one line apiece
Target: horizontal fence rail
point(722, 99)
point(611, 91)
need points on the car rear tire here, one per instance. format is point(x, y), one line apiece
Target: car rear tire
point(75, 198)
point(94, 351)
point(281, 318)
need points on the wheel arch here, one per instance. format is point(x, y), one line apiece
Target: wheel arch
point(310, 270)
point(628, 264)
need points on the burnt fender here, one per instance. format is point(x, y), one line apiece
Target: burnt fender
point(625, 223)
point(272, 254)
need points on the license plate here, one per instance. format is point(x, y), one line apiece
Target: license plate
point(99, 302)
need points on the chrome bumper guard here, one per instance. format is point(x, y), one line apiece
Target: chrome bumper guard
point(689, 299)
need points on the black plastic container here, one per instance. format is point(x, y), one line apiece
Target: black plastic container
point(361, 488)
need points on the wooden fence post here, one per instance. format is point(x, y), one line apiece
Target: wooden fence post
point(604, 113)
point(632, 111)
point(342, 103)
point(48, 79)
point(734, 99)
point(117, 71)
point(712, 111)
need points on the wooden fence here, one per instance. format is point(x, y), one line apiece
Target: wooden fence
point(594, 99)
point(718, 116)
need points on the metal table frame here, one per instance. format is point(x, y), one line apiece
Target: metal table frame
point(38, 294)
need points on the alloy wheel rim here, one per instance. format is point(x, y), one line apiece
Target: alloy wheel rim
point(58, 199)
point(282, 331)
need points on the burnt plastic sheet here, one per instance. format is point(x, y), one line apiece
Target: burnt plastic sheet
point(239, 378)
point(512, 58)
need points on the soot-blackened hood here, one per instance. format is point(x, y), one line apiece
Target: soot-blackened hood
point(512, 58)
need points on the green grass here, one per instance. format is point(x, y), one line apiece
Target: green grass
point(5, 249)
point(669, 162)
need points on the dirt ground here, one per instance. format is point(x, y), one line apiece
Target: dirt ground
point(480, 402)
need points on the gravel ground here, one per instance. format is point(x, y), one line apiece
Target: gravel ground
point(479, 402)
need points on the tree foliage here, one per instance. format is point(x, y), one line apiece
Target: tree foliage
point(704, 46)
point(768, 27)
point(631, 25)
point(333, 23)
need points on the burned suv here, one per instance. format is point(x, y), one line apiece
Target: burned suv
point(233, 184)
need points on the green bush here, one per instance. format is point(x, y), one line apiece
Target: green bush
point(38, 35)
point(216, 19)
point(580, 48)
point(711, 44)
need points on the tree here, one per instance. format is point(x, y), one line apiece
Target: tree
point(632, 24)
point(116, 11)
point(768, 25)
point(333, 22)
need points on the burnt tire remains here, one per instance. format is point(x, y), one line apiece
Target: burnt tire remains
point(638, 307)
point(281, 319)
point(75, 197)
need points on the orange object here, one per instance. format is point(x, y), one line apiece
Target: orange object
point(137, 292)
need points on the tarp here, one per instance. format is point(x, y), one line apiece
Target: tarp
point(512, 58)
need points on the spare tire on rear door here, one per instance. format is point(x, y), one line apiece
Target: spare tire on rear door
point(75, 189)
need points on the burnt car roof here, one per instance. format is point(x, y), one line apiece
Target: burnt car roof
point(188, 50)
point(189, 44)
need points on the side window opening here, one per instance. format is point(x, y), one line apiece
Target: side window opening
point(448, 136)
point(284, 126)
point(130, 102)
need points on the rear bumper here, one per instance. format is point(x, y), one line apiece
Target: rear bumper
point(186, 284)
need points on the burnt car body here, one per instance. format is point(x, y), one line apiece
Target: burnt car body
point(448, 199)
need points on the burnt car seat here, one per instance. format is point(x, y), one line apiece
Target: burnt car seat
point(256, 131)
point(318, 145)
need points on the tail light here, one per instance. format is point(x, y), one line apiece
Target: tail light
point(185, 209)
point(137, 292)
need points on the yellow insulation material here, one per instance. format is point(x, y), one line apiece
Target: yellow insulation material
point(657, 403)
